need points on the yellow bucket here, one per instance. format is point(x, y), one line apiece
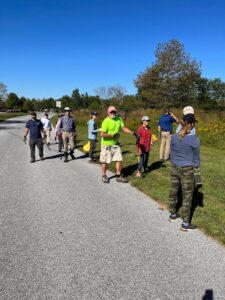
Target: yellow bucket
point(86, 147)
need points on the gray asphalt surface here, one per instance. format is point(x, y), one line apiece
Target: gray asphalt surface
point(66, 235)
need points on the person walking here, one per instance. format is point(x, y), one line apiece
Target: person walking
point(68, 128)
point(58, 133)
point(185, 156)
point(35, 129)
point(165, 128)
point(92, 135)
point(143, 145)
point(47, 127)
point(110, 148)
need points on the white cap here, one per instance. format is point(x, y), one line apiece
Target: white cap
point(67, 109)
point(145, 118)
point(188, 110)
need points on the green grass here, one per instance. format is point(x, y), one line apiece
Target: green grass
point(209, 201)
point(6, 116)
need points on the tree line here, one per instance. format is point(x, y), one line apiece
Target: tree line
point(174, 79)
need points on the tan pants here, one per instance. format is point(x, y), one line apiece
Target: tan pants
point(164, 152)
point(47, 132)
point(68, 139)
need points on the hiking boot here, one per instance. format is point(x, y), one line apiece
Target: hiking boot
point(188, 227)
point(72, 155)
point(122, 179)
point(174, 217)
point(66, 157)
point(105, 179)
point(32, 160)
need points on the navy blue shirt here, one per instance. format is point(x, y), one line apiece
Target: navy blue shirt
point(165, 122)
point(35, 127)
point(185, 151)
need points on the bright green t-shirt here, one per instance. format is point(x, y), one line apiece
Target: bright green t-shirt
point(111, 126)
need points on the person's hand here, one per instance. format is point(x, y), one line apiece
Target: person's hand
point(137, 136)
point(116, 135)
point(50, 129)
point(24, 138)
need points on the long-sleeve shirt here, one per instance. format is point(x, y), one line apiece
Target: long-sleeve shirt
point(68, 124)
point(92, 130)
point(185, 151)
point(46, 123)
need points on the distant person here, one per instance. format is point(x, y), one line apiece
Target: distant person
point(35, 129)
point(185, 156)
point(68, 128)
point(188, 110)
point(143, 145)
point(47, 127)
point(58, 133)
point(92, 135)
point(110, 148)
point(165, 128)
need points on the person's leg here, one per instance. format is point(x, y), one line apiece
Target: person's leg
point(71, 141)
point(167, 146)
point(174, 188)
point(162, 146)
point(47, 132)
point(105, 157)
point(32, 150)
point(92, 146)
point(187, 184)
point(145, 163)
point(118, 168)
point(104, 169)
point(40, 148)
point(65, 141)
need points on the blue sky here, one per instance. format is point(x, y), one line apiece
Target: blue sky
point(48, 48)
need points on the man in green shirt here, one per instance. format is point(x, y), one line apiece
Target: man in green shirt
point(110, 149)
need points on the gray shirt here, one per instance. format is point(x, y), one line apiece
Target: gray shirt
point(68, 124)
point(185, 151)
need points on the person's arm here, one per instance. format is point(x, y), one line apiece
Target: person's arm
point(127, 130)
point(159, 130)
point(196, 153)
point(174, 117)
point(26, 130)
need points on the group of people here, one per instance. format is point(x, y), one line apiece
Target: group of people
point(182, 148)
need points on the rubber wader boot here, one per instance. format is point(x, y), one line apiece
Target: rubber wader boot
point(66, 157)
point(71, 154)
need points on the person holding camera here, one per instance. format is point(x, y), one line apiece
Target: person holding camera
point(165, 128)
point(185, 157)
point(110, 148)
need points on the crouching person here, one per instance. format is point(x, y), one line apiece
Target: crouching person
point(110, 148)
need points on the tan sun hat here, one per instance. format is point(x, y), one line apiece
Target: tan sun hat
point(188, 110)
point(111, 108)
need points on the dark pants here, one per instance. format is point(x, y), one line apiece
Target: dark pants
point(39, 143)
point(183, 176)
point(143, 163)
point(92, 148)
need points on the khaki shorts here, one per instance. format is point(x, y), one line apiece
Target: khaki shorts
point(110, 153)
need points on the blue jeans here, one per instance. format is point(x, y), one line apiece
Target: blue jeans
point(143, 163)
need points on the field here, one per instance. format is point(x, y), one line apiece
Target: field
point(4, 116)
point(208, 201)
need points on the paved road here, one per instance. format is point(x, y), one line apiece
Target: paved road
point(65, 235)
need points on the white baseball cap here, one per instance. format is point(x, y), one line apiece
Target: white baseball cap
point(67, 109)
point(145, 118)
point(188, 110)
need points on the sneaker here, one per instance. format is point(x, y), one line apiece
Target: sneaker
point(105, 179)
point(174, 217)
point(188, 227)
point(122, 179)
point(138, 174)
point(32, 160)
point(42, 158)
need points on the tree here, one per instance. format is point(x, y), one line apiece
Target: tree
point(12, 101)
point(171, 79)
point(3, 91)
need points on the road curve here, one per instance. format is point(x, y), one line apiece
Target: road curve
point(66, 235)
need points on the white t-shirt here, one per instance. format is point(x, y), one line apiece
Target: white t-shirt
point(46, 123)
